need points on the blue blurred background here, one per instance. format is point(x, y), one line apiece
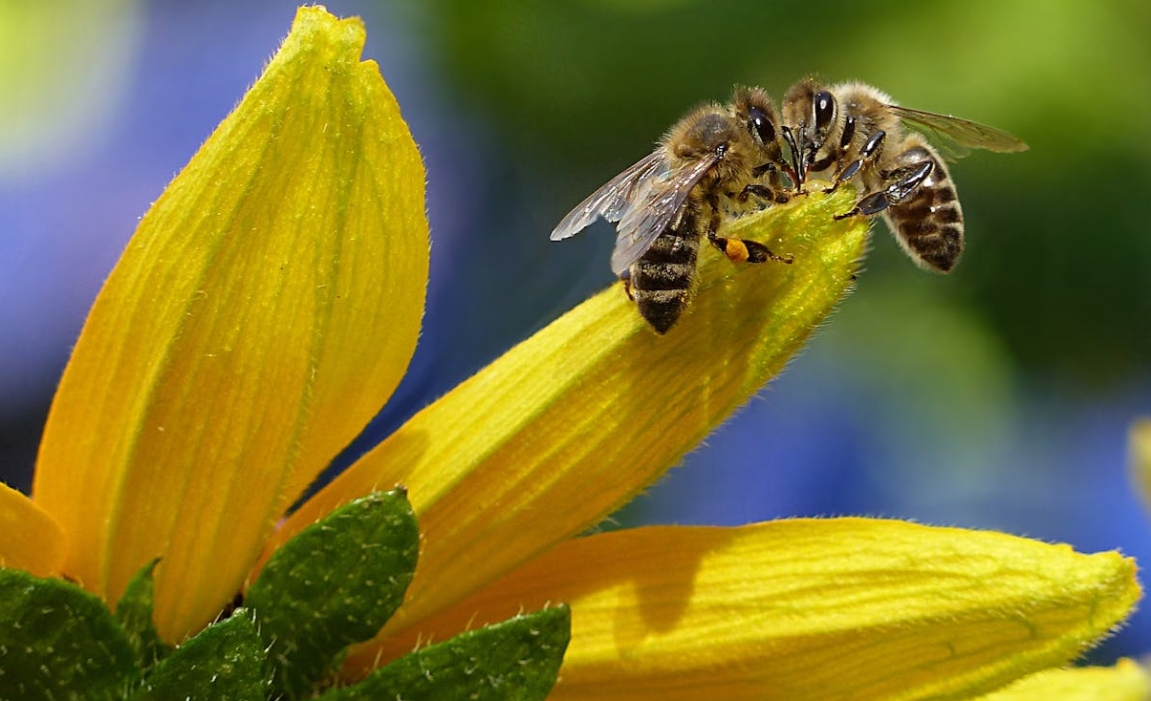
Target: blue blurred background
point(997, 397)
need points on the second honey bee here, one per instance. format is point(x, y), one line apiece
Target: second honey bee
point(854, 132)
point(707, 166)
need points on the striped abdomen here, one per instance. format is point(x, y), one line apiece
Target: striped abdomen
point(663, 279)
point(929, 222)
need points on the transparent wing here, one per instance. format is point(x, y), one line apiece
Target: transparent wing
point(656, 204)
point(613, 200)
point(954, 136)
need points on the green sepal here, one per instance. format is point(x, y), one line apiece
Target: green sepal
point(134, 614)
point(224, 661)
point(517, 660)
point(58, 641)
point(334, 584)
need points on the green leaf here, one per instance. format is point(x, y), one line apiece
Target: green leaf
point(134, 614)
point(336, 583)
point(224, 662)
point(518, 660)
point(57, 641)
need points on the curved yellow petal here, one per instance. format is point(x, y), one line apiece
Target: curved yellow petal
point(262, 313)
point(30, 539)
point(1126, 681)
point(804, 609)
point(572, 423)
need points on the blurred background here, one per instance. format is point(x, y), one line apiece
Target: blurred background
point(996, 397)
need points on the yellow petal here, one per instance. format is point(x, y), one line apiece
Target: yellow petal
point(1140, 450)
point(1126, 681)
point(805, 609)
point(569, 425)
point(262, 313)
point(30, 539)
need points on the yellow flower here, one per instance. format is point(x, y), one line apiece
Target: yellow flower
point(1126, 681)
point(269, 304)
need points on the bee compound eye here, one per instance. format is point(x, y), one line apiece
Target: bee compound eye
point(823, 107)
point(761, 125)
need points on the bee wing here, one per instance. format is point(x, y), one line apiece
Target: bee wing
point(955, 136)
point(657, 203)
point(613, 200)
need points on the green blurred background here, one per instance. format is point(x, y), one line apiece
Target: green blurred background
point(996, 397)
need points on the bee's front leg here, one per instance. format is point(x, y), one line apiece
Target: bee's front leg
point(764, 193)
point(867, 155)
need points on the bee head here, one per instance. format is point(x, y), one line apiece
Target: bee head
point(755, 111)
point(705, 132)
point(809, 115)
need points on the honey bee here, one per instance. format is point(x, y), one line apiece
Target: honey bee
point(706, 168)
point(852, 131)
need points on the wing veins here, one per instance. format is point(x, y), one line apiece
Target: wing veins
point(959, 132)
point(660, 202)
point(612, 200)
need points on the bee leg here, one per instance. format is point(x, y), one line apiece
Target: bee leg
point(738, 250)
point(867, 156)
point(901, 183)
point(836, 156)
point(773, 170)
point(826, 162)
point(625, 278)
point(760, 171)
point(745, 251)
point(764, 193)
